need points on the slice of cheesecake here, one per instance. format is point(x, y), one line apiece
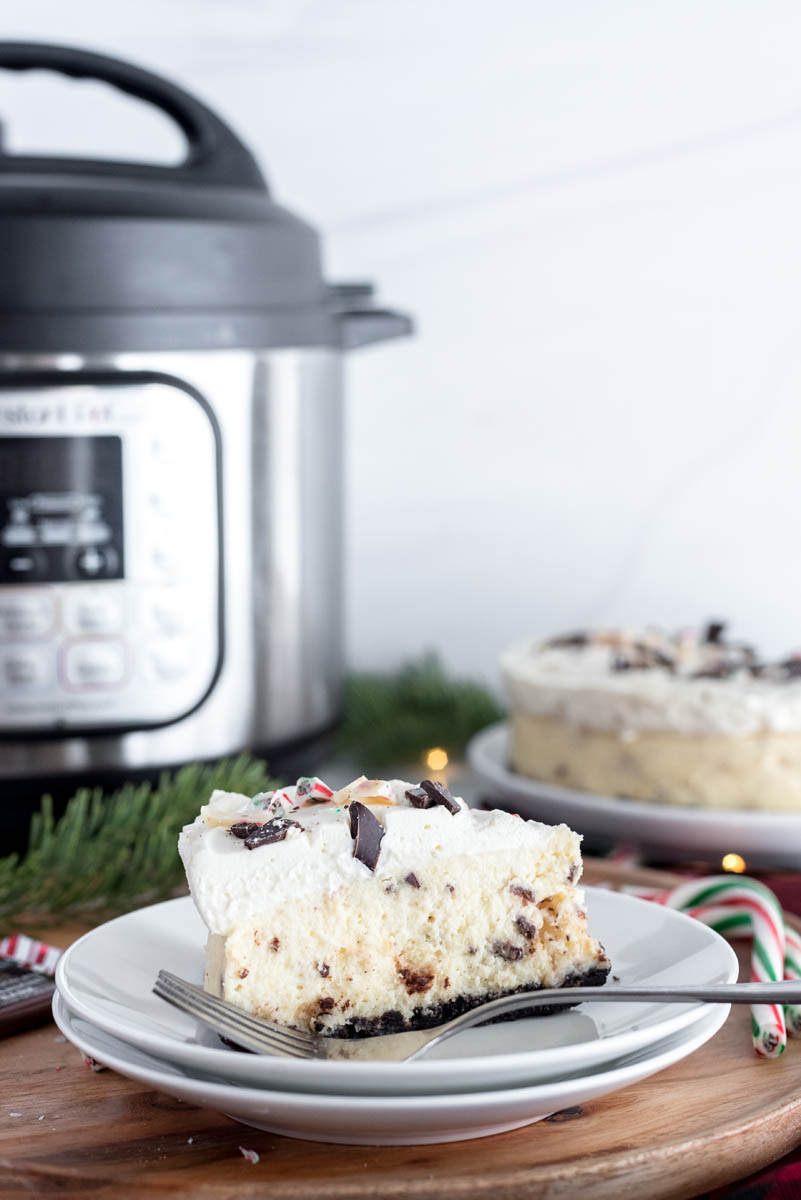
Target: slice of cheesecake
point(383, 906)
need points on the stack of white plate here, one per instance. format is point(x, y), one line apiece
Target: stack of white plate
point(480, 1082)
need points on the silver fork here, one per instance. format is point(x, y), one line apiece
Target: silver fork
point(264, 1037)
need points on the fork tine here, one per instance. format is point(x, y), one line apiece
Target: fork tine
point(258, 1025)
point(228, 1022)
point(237, 1022)
point(261, 1043)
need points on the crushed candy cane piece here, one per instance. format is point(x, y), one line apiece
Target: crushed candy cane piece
point(311, 790)
point(262, 800)
point(92, 1064)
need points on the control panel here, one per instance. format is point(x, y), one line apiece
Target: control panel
point(109, 554)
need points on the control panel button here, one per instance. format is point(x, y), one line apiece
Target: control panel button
point(168, 613)
point(94, 663)
point(25, 615)
point(168, 661)
point(23, 667)
point(96, 562)
point(93, 612)
point(23, 565)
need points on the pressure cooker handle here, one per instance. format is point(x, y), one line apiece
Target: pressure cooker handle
point(215, 154)
point(361, 323)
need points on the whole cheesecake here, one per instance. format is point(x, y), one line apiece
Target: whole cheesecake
point(687, 719)
point(383, 906)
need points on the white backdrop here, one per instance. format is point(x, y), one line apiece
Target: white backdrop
point(594, 212)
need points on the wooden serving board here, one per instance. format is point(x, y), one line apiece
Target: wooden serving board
point(713, 1118)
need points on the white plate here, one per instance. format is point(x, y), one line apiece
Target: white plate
point(107, 976)
point(382, 1120)
point(763, 838)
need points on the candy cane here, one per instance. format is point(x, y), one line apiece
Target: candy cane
point(792, 970)
point(738, 896)
point(27, 952)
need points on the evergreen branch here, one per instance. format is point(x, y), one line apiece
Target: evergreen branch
point(107, 852)
point(394, 719)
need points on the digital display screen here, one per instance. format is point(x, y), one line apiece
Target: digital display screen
point(60, 509)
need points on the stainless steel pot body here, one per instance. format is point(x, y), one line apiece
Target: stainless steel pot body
point(176, 592)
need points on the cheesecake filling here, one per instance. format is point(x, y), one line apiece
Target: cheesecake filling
point(351, 924)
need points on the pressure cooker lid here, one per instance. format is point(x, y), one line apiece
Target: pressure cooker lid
point(105, 256)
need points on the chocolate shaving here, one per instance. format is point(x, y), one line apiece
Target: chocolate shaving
point(367, 832)
point(264, 835)
point(713, 634)
point(524, 893)
point(244, 829)
point(412, 880)
point(568, 641)
point(324, 969)
point(719, 671)
point(418, 798)
point(507, 951)
point(439, 794)
point(326, 1003)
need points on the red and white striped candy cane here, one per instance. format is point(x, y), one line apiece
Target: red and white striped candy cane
point(27, 952)
point(737, 895)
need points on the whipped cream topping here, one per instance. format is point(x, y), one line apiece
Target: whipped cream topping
point(628, 682)
point(230, 883)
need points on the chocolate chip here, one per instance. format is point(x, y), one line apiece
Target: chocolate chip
point(326, 1003)
point(439, 794)
point(418, 798)
point(416, 981)
point(713, 634)
point(507, 951)
point(524, 893)
point(324, 970)
point(572, 874)
point(367, 832)
point(412, 880)
point(275, 944)
point(265, 835)
point(243, 974)
point(450, 888)
point(526, 928)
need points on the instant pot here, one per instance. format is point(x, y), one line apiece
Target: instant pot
point(170, 452)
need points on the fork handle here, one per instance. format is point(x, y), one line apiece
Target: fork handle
point(787, 992)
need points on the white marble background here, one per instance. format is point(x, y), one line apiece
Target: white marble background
point(594, 211)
